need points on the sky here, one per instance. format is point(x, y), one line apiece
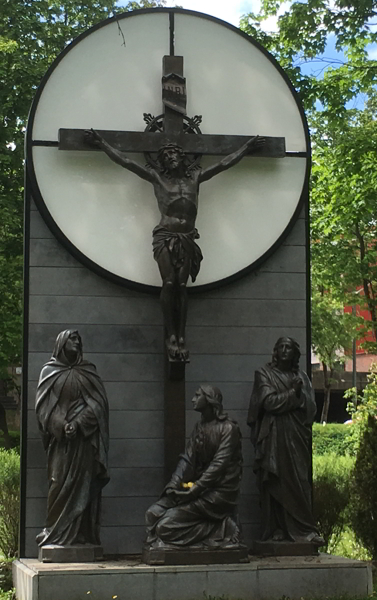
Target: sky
point(228, 10)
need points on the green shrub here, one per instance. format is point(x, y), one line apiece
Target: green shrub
point(14, 439)
point(333, 438)
point(331, 475)
point(363, 500)
point(6, 582)
point(9, 501)
point(363, 489)
point(347, 545)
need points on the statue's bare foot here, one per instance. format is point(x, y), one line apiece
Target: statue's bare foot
point(183, 350)
point(172, 347)
point(278, 536)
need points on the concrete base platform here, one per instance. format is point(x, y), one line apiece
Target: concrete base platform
point(262, 579)
point(194, 556)
point(284, 549)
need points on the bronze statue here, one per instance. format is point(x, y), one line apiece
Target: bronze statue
point(73, 414)
point(198, 506)
point(176, 187)
point(281, 413)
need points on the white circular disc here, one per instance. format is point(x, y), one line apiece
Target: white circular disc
point(107, 79)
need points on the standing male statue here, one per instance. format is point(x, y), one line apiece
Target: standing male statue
point(176, 187)
point(281, 413)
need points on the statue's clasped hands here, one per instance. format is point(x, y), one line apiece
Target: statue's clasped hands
point(297, 384)
point(187, 493)
point(70, 430)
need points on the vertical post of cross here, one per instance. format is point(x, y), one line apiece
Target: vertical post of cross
point(174, 100)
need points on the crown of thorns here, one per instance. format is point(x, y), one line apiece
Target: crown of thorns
point(169, 146)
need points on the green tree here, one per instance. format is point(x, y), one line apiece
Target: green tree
point(343, 184)
point(32, 34)
point(332, 334)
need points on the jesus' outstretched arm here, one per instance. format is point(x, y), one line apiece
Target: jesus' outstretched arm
point(253, 143)
point(93, 138)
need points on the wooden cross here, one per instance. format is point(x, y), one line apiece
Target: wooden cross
point(174, 100)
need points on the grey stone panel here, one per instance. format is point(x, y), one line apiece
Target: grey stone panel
point(49, 253)
point(251, 532)
point(246, 312)
point(139, 339)
point(296, 237)
point(168, 584)
point(240, 340)
point(218, 581)
point(236, 394)
point(99, 311)
point(129, 424)
point(288, 259)
point(123, 540)
point(112, 367)
point(100, 338)
point(124, 482)
point(115, 540)
point(122, 511)
point(249, 485)
point(124, 395)
point(274, 583)
point(249, 509)
point(281, 286)
point(69, 281)
point(122, 453)
point(38, 228)
point(82, 282)
point(138, 586)
point(219, 368)
point(36, 483)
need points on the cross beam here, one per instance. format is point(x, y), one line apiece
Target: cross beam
point(135, 141)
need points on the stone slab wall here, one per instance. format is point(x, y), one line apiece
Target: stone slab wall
point(230, 333)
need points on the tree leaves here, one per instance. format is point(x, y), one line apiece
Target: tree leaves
point(32, 34)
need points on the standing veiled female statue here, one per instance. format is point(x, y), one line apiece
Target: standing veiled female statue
point(73, 415)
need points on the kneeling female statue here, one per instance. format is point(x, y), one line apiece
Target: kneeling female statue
point(198, 507)
point(73, 416)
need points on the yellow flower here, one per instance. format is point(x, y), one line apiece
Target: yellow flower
point(187, 485)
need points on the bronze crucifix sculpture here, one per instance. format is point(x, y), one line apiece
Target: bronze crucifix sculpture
point(176, 184)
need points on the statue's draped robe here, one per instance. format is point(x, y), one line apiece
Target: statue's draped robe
point(281, 432)
point(213, 460)
point(77, 467)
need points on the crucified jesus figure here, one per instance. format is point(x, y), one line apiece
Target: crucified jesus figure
point(178, 256)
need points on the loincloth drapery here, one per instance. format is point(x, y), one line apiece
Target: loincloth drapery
point(180, 246)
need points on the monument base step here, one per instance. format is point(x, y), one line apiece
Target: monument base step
point(85, 553)
point(163, 556)
point(261, 579)
point(285, 548)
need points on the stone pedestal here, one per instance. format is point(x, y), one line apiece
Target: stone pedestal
point(285, 548)
point(261, 579)
point(81, 553)
point(162, 556)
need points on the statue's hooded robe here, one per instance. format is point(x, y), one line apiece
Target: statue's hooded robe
point(281, 432)
point(77, 467)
